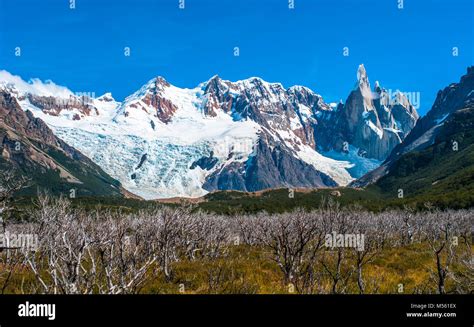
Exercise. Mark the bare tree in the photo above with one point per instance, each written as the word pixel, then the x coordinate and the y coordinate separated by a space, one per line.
pixel 439 233
pixel 373 228
pixel 294 240
pixel 334 259
pixel 464 276
pixel 125 254
pixel 81 254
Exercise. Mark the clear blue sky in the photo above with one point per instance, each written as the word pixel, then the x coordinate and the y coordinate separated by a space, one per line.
pixel 408 49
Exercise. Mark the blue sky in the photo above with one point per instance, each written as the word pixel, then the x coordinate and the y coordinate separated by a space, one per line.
pixel 408 49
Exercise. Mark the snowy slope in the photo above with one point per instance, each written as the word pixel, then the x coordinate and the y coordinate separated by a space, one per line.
pixel 150 140
pixel 118 143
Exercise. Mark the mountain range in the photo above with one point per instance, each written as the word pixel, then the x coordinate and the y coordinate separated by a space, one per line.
pixel 163 141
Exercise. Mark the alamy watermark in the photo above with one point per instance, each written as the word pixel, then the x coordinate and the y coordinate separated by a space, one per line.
pixel 229 145
pixel 78 99
pixel 335 240
pixel 394 97
pixel 28 242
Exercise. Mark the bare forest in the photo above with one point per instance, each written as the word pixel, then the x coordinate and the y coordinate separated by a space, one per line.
pixel 178 250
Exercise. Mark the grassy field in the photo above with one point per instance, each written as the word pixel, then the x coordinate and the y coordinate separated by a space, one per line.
pixel 249 270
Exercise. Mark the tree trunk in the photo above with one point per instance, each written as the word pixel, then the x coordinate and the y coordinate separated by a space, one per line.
pixel 441 275
pixel 360 281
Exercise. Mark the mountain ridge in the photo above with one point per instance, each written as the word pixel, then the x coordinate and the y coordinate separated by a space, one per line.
pixel 260 135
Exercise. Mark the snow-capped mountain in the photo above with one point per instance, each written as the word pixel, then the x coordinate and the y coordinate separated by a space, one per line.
pixel 452 99
pixel 164 141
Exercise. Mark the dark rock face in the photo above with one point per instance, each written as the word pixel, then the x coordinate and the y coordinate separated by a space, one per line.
pixel 272 166
pixel 206 163
pixel 142 161
pixel 452 99
pixel 231 177
pixel 28 146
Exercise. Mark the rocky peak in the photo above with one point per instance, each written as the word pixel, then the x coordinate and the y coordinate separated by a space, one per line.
pixel 213 84
pixel 256 89
pixel 107 97
pixel 151 99
pixel 359 105
pixel 469 75
pixel 371 121
pixel 362 77
pixel 455 95
pixel 377 87
pixel 401 99
pixel 451 100
pixel 217 97
pixel 155 85
pixel 48 97
pixel 9 88
pixel 56 106
pixel 161 83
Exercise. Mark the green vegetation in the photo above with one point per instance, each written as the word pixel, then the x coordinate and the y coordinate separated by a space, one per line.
pixel 248 270
pixel 442 174
pixel 284 200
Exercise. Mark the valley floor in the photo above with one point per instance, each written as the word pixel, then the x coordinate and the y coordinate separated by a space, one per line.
pixel 177 250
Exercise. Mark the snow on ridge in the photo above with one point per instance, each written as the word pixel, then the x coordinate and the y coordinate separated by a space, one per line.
pixel 34 86
pixel 253 79
pixel 374 128
pixel 360 165
pixel 336 169
pixel 305 112
pixel 441 119
pixel 249 83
